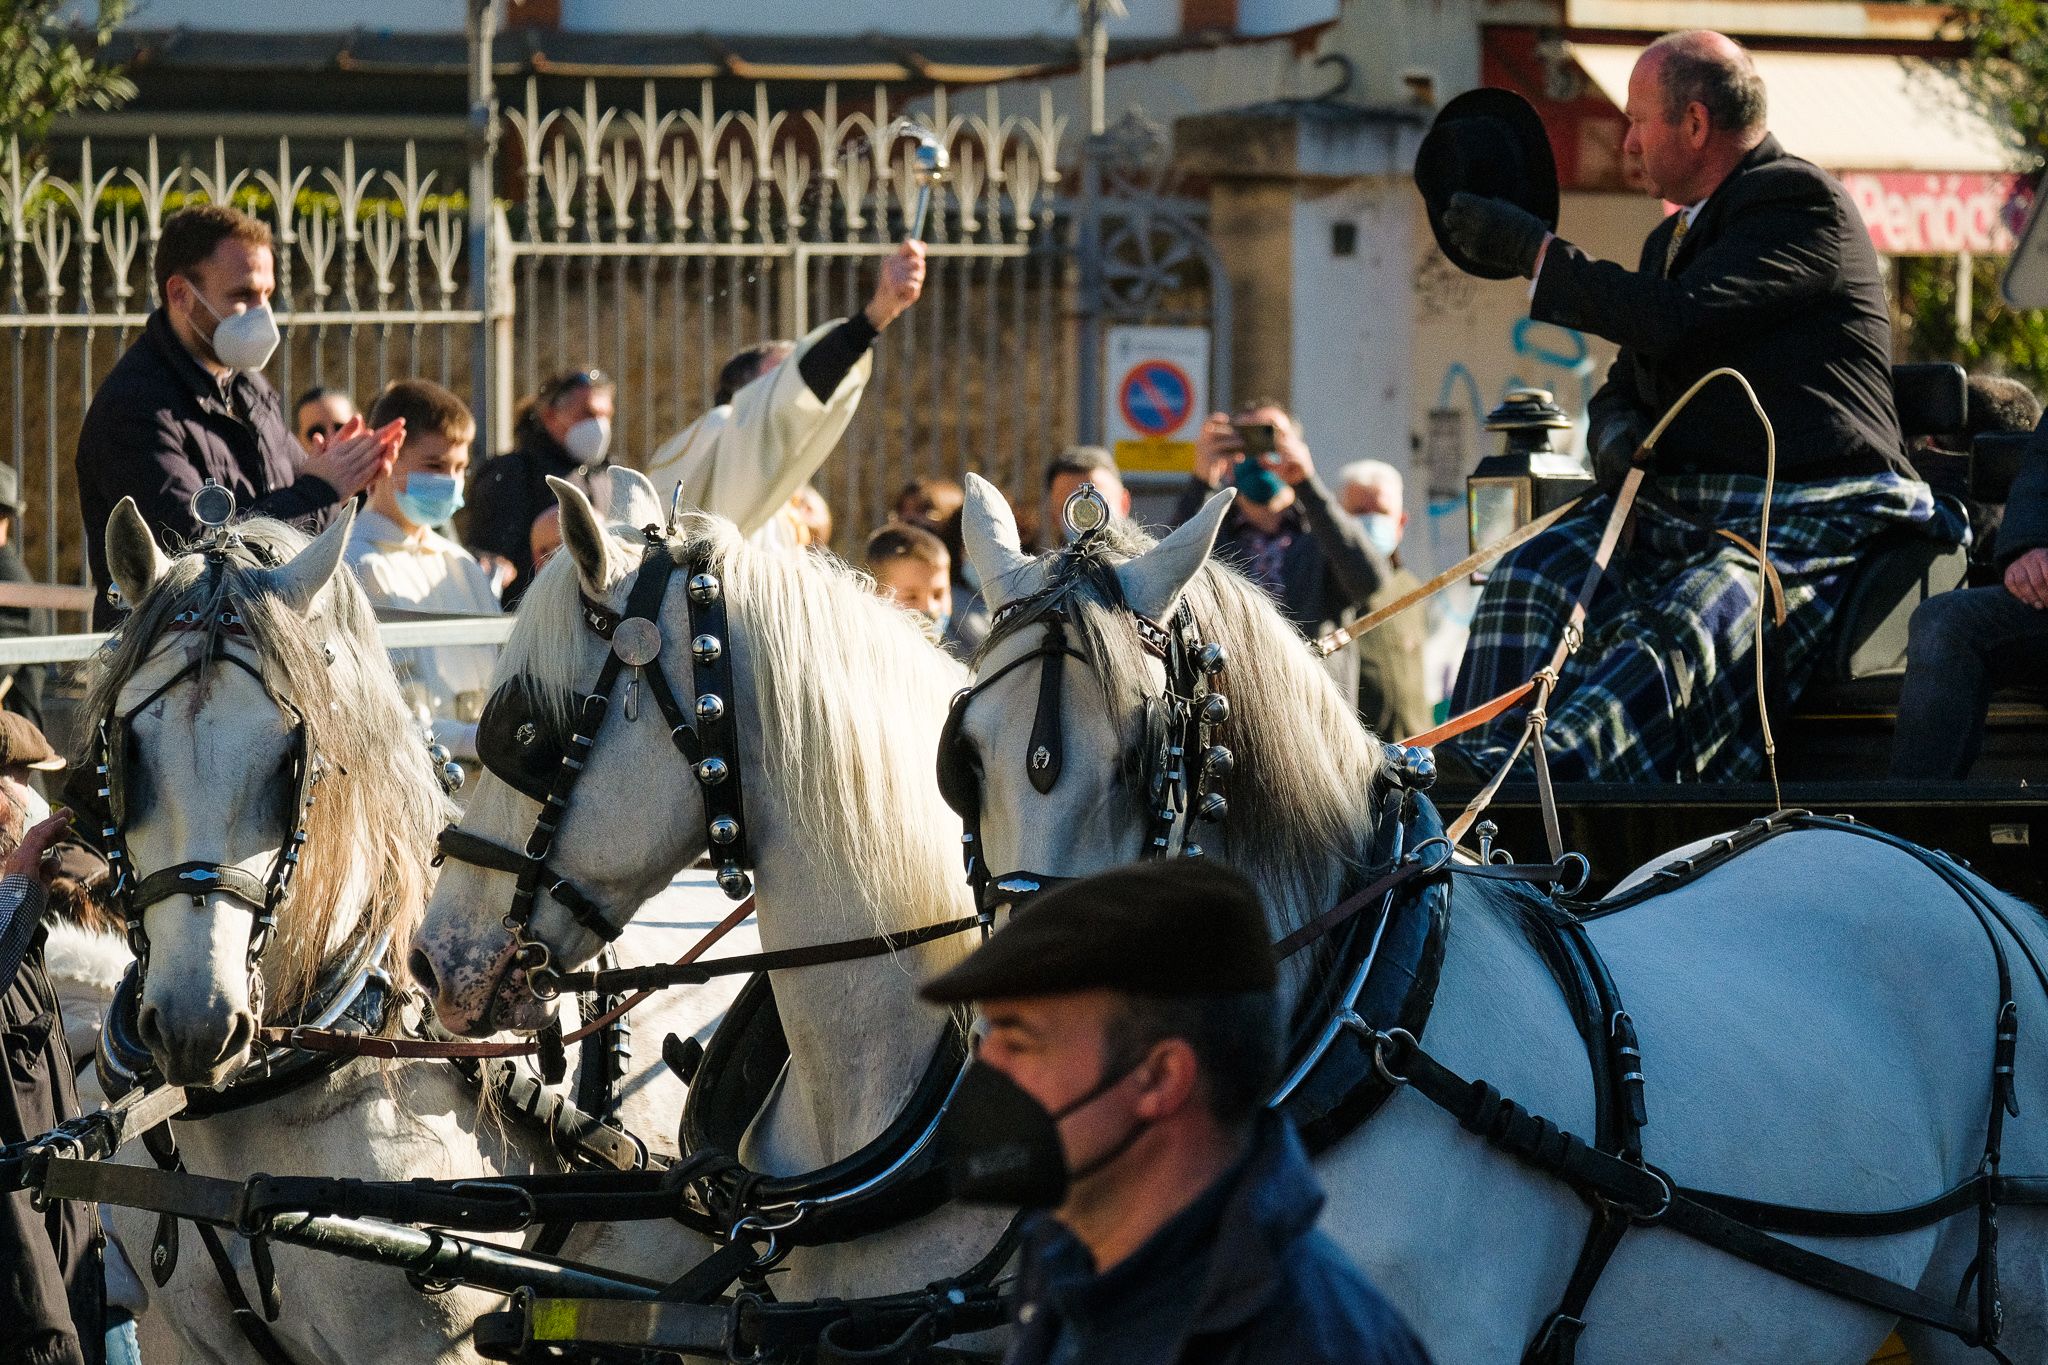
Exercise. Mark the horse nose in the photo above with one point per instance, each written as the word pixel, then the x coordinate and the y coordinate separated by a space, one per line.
pixel 198 1055
pixel 422 968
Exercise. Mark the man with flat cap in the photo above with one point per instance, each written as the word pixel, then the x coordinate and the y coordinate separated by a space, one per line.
pixel 1767 268
pixel 1130 1038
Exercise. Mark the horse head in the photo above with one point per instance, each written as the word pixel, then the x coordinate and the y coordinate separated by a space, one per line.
pixel 264 811
pixel 1136 700
pixel 792 762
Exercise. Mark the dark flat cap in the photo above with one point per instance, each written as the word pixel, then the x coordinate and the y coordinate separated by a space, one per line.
pixel 1179 927
pixel 22 745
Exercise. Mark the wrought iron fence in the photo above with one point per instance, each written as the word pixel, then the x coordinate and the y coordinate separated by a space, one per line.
pixel 654 244
pixel 651 242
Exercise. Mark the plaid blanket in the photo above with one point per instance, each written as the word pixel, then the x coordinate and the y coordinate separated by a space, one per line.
pixel 1664 686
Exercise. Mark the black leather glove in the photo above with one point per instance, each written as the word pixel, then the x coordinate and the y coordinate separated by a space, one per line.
pixel 1495 233
pixel 1613 444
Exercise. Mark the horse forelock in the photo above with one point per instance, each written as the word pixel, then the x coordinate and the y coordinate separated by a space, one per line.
pixel 1301 809
pixel 370 833
pixel 847 693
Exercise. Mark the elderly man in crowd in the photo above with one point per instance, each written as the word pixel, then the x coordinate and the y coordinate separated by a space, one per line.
pixel 1130 1036
pixel 1767 268
pixel 779 411
pixel 1391 696
pixel 188 403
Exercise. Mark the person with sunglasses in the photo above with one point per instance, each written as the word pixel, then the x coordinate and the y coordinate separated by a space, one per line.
pixel 319 414
pixel 564 430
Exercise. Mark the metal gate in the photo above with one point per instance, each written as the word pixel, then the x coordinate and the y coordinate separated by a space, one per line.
pixel 650 242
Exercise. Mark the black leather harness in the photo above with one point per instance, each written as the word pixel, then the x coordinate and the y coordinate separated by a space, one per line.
pixel 517 745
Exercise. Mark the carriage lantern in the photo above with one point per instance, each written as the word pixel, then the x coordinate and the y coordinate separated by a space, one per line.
pixel 1529 477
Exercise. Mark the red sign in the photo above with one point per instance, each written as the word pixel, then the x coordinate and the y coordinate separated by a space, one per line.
pixel 1914 214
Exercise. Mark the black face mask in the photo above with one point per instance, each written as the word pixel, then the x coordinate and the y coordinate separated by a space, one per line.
pixel 1002 1147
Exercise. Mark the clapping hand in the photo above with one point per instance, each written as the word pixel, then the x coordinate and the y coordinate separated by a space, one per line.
pixel 355 457
pixel 901 283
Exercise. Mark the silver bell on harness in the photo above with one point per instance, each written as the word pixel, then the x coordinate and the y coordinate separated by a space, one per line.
pixel 1529 478
pixel 1085 512
pixel 734 882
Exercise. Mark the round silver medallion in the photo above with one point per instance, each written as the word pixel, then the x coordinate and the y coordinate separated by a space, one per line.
pixel 637 641
pixel 213 506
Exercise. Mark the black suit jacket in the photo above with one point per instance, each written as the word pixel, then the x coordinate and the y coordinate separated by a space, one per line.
pixel 1777 278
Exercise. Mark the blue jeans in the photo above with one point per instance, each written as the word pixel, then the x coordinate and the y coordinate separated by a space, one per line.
pixel 1963 646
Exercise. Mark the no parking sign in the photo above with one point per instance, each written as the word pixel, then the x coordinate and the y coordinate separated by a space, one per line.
pixel 1157 396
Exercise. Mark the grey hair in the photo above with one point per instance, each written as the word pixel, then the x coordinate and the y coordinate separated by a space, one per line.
pixel 1705 68
pixel 1373 474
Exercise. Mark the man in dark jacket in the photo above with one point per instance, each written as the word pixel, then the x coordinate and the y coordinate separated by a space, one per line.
pixel 1768 269
pixel 188 402
pixel 1286 531
pixel 565 432
pixel 1966 644
pixel 1131 1039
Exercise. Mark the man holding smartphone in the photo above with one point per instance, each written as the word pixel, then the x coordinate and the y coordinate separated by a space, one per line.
pixel 1286 531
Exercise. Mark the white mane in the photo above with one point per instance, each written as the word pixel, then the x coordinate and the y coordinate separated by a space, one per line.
pixel 842 686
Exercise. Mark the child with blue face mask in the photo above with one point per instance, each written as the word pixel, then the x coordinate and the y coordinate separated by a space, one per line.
pixel 408 562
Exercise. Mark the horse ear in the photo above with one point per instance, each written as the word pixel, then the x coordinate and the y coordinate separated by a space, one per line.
pixel 300 582
pixel 132 556
pixel 583 535
pixel 988 530
pixel 1154 581
pixel 633 499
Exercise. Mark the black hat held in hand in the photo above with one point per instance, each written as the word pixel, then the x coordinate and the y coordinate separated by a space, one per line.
pixel 1490 143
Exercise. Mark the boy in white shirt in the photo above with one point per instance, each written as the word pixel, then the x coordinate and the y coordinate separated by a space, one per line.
pixel 406 565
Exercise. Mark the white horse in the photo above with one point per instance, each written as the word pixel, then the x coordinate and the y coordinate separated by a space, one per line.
pixel 1816 1017
pixel 839 698
pixel 207 778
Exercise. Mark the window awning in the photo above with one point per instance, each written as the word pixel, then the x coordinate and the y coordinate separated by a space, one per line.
pixel 1853 111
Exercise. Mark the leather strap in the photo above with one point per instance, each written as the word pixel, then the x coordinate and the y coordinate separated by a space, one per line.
pixel 662 974
pixel 324 1040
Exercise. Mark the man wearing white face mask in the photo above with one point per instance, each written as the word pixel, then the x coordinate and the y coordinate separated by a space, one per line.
pixel 1391 696
pixel 564 431
pixel 188 402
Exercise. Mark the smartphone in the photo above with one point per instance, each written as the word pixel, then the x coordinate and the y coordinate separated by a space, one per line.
pixel 1256 437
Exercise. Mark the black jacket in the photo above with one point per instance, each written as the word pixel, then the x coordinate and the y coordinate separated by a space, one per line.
pixel 161 425
pixel 510 491
pixel 1239 1277
pixel 1777 278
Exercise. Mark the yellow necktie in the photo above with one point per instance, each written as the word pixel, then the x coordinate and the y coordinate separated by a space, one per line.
pixel 1677 236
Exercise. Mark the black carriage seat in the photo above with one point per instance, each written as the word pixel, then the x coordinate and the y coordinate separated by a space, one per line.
pixel 1846 713
pixel 1902 568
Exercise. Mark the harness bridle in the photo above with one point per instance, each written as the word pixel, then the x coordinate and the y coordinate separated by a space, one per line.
pixel 1180 726
pixel 514 746
pixel 131 891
